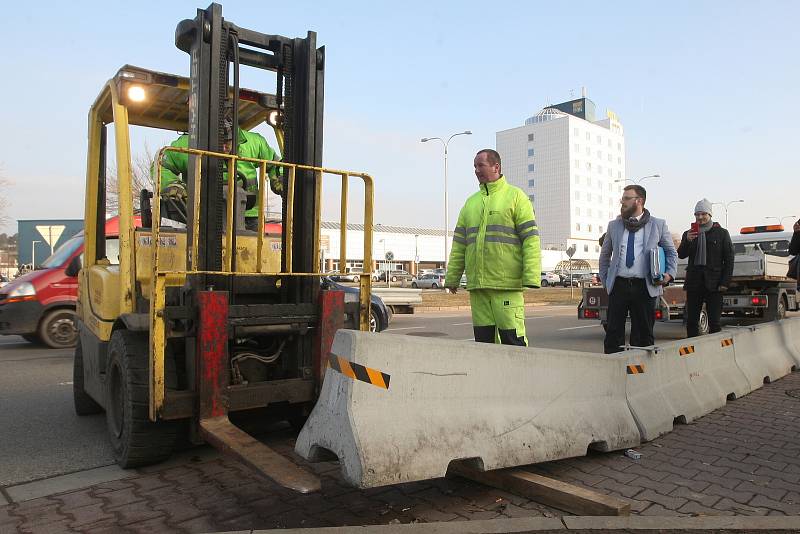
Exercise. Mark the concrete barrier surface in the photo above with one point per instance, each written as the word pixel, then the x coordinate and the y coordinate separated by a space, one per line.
pixel 762 353
pixel 399 408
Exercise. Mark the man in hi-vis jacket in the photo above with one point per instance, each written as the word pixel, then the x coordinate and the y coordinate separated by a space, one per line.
pixel 496 241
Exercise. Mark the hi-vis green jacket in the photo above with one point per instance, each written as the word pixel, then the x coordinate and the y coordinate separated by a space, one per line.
pixel 497 240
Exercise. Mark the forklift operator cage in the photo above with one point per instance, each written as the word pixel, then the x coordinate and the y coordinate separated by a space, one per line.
pixel 146 98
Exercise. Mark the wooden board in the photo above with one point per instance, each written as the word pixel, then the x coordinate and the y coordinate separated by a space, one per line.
pixel 544 490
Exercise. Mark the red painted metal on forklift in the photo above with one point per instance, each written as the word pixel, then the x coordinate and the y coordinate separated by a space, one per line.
pixel 212 340
pixel 331 319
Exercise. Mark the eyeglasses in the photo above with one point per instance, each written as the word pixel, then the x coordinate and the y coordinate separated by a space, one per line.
pixel 623 199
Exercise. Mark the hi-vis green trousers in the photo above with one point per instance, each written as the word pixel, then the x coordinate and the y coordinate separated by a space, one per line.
pixel 498 316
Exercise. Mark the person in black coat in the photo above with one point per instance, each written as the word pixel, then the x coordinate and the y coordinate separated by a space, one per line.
pixel 710 268
pixel 794 250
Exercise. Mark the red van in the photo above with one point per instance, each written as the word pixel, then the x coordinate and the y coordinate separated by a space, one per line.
pixel 40 305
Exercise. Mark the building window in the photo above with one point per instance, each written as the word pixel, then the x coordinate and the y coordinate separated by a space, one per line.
pixel 577 148
pixel 601 228
pixel 531 197
pixel 530 137
pixel 589 180
pixel 531 167
pixel 600 169
pixel 578 227
pixel 619 174
pixel 588 166
pixel 599 140
pixel 577 195
pixel 577 179
pixel 610 172
pixel 577 164
pixel 597 248
pixel 619 146
pixel 576 132
pixel 588 136
pixel 609 157
pixel 586 248
pixel 609 143
pixel 590 227
pixel 589 197
pixel 600 154
pixel 619 160
pixel 530 182
pixel 577 210
pixel 588 151
pixel 589 212
pixel 530 152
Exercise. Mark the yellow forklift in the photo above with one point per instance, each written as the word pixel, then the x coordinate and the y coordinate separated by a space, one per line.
pixel 184 319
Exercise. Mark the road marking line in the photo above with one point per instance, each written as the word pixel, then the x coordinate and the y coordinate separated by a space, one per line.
pixel 467 339
pixel 403 328
pixel 540 317
pixel 577 327
pixel 460 324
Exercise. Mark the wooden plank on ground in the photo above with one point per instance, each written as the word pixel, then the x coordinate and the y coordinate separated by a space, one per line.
pixel 544 490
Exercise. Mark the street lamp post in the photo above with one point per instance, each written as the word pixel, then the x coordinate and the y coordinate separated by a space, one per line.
pixel 638 180
pixel 726 205
pixel 446 215
pixel 33 255
pixel 780 219
pixel 416 254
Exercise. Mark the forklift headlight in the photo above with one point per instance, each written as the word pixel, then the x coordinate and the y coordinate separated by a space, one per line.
pixel 273 117
pixel 136 93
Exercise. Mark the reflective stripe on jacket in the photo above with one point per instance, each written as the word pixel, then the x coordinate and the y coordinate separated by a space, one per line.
pixel 496 240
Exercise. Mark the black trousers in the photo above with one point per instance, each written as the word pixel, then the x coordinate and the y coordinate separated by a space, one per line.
pixel 629 295
pixel 695 297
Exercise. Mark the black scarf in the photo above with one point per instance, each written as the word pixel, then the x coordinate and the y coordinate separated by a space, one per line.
pixel 632 225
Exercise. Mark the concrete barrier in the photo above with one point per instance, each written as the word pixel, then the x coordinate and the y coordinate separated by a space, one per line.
pixel 399 408
pixel 682 381
pixel 762 353
pixel 790 329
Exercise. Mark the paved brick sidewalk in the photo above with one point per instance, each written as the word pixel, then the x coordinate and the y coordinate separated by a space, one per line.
pixel 743 459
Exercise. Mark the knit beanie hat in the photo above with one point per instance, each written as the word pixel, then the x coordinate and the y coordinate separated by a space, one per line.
pixel 703 206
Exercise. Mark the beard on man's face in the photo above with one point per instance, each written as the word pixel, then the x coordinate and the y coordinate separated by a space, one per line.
pixel 627 212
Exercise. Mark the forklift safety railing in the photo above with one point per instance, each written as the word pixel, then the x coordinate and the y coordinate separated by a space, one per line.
pixel 162 279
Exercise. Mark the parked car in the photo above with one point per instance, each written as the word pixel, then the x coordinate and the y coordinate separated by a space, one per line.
pixel 429 281
pixel 379 314
pixel 550 279
pixel 395 276
pixel 3 280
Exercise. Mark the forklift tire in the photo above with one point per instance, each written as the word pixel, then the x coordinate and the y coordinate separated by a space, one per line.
pixel 84 404
pixel 136 441
pixel 702 324
pixel 57 329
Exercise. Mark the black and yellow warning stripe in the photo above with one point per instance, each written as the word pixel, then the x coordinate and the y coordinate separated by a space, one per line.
pixel 359 372
pixel 635 369
pixel 686 350
pixel 727 342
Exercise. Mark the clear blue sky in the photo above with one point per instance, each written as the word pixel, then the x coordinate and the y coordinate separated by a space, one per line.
pixel 706 91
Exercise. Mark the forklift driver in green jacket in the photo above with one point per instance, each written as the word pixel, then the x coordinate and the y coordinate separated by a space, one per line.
pixel 496 241
pixel 251 145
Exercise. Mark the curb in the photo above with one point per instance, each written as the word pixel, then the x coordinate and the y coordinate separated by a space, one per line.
pixel 566 523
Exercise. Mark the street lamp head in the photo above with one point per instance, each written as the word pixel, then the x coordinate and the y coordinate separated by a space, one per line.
pixel 424 139
pixel 467 132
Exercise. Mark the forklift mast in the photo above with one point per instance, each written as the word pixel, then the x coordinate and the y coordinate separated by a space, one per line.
pixel 216 51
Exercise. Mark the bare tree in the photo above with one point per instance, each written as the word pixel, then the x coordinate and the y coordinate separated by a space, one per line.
pixel 140 179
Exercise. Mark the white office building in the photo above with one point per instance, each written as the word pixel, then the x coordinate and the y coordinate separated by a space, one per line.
pixel 572 167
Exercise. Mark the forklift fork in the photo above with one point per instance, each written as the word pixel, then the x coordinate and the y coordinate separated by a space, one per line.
pixel 215 426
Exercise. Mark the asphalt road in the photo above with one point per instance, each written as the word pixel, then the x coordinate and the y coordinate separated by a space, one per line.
pixel 40 435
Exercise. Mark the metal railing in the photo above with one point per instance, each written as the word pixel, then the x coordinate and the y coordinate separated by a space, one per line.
pixel 162 279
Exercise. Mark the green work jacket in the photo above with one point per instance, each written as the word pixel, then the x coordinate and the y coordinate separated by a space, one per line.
pixel 251 145
pixel 496 240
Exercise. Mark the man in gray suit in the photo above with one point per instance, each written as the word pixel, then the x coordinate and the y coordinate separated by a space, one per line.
pixel 625 269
